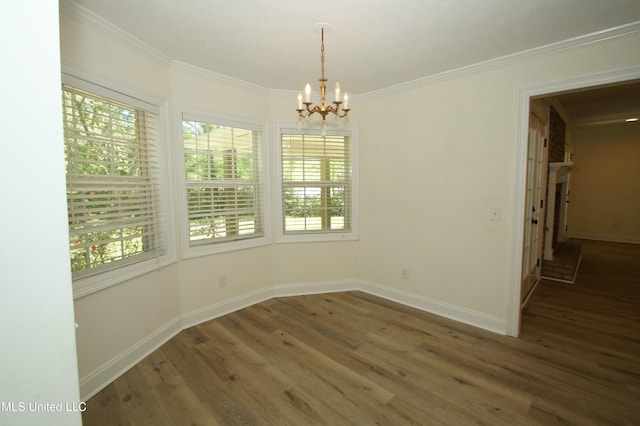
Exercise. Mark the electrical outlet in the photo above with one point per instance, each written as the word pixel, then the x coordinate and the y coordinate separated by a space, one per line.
pixel 404 273
pixel 222 280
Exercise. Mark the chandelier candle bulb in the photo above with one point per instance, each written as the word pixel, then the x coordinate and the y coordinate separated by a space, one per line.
pixel 307 92
pixel 346 100
pixel 337 92
pixel 300 101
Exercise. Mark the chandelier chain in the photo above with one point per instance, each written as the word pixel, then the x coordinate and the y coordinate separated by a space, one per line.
pixel 322 53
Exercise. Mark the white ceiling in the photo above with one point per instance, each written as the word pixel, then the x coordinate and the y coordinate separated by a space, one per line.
pixel 371 44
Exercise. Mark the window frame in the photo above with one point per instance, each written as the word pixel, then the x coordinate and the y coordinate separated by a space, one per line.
pixel 188 250
pixel 128 270
pixel 315 235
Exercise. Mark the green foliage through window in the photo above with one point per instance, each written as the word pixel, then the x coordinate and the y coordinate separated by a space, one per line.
pixel 223 179
pixel 110 188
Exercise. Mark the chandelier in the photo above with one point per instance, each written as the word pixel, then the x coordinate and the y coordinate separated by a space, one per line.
pixel 304 113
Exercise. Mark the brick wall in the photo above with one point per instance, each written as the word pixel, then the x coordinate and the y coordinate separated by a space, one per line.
pixel 557 129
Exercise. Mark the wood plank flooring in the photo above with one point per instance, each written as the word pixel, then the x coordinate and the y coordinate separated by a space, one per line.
pixel 353 358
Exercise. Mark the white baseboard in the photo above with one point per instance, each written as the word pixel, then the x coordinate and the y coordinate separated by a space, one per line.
pixel 110 371
pixel 107 373
pixel 315 288
pixel 207 313
pixel 454 312
pixel 103 376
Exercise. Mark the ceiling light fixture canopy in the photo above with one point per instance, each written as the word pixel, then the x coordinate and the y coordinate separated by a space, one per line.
pixel 304 113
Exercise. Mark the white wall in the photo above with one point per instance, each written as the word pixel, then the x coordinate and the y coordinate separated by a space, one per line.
pixel 434 159
pixel 38 353
pixel 605 184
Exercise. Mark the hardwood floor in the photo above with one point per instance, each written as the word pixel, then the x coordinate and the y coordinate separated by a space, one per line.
pixel 353 358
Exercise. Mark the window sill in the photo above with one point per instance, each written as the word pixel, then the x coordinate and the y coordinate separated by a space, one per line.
pixel 318 237
pixel 85 286
pixel 189 252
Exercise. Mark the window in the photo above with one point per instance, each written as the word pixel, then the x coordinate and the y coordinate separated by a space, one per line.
pixel 316 183
pixel 224 182
pixel 113 200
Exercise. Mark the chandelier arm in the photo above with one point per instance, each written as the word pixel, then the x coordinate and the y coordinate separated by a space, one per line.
pixel 337 109
pixel 328 109
pixel 345 111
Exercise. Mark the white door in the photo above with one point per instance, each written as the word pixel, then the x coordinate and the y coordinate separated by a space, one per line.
pixel 534 206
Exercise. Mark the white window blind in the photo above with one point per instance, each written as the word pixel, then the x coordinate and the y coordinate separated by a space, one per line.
pixel 223 181
pixel 316 183
pixel 111 163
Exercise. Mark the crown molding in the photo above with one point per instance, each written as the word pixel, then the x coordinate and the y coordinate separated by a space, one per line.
pixel 211 75
pixel 572 43
pixel 94 77
pixel 74 11
pixel 82 15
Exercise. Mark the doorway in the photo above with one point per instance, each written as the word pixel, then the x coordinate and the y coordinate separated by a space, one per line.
pixel 525 96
